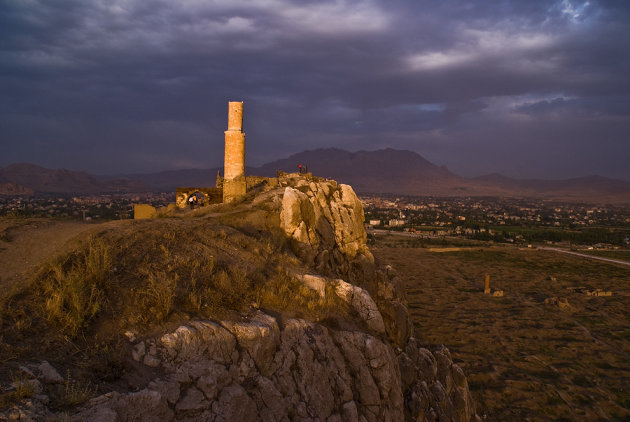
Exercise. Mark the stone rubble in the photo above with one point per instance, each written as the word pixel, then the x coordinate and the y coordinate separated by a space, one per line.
pixel 48 374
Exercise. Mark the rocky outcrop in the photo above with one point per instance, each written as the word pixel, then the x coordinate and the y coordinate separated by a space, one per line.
pixel 359 300
pixel 269 369
pixel 257 370
pixel 325 224
pixel 392 303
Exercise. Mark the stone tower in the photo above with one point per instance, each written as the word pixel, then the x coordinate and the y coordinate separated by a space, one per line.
pixel 234 185
pixel 486 285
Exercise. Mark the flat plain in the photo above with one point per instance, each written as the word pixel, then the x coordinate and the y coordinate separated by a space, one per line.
pixel 525 359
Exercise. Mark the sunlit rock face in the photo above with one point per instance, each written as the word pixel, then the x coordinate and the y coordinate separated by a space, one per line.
pixel 325 224
pixel 325 218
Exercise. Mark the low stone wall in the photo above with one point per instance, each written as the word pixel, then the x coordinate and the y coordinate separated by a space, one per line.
pixel 210 195
pixel 143 211
pixel 254 181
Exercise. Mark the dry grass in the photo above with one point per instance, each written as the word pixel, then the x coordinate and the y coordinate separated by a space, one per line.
pixel 23 389
pixel 74 287
pixel 137 275
pixel 156 297
pixel 524 360
pixel 149 276
pixel 73 393
pixel 286 294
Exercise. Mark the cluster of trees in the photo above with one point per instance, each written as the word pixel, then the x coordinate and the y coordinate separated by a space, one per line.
pixel 588 236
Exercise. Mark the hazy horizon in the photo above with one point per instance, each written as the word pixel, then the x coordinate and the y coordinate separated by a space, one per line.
pixel 119 174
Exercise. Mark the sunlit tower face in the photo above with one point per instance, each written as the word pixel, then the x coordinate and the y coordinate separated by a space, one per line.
pixel 234 185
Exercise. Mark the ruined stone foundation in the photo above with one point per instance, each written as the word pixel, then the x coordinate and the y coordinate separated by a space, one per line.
pixel 234 185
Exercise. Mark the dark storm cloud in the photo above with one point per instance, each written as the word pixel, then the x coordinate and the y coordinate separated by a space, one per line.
pixel 130 85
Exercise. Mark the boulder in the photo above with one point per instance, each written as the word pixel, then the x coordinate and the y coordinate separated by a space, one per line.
pixel 361 301
pixel 193 399
pixel 143 406
pixel 314 282
pixel 234 405
pixel 198 339
pixel 259 337
pixel 48 374
pixel 322 218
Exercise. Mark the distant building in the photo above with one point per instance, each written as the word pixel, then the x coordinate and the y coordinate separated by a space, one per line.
pixel 396 222
pixel 375 222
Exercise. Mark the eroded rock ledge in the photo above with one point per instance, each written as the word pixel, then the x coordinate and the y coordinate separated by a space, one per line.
pixel 257 370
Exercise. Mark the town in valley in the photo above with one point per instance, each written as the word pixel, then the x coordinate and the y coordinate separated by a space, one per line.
pixel 524 221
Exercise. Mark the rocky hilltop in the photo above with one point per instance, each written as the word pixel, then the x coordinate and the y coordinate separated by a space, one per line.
pixel 357 361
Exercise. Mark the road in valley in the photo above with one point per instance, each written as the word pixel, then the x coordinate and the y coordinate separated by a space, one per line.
pixel 599 258
pixel 546 248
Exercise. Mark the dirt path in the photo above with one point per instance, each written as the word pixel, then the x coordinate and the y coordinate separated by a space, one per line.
pixel 26 244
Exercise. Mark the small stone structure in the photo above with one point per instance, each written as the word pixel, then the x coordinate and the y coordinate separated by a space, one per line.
pixel 210 195
pixel 598 292
pixel 589 292
pixel 146 211
pixel 562 303
pixel 143 211
pixel 488 291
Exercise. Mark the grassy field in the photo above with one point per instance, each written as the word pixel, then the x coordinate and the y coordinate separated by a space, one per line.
pixel 623 255
pixel 525 360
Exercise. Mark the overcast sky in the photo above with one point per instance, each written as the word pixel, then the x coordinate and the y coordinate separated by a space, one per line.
pixel 526 88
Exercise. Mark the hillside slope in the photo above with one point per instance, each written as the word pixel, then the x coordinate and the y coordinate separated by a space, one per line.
pixel 585 188
pixel 269 309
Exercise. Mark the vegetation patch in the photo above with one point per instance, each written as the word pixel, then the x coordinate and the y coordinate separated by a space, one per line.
pixel 513 343
pixel 74 287
pixel 286 294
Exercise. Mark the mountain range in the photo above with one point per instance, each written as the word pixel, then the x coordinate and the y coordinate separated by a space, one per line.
pixel 23 178
pixel 384 171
